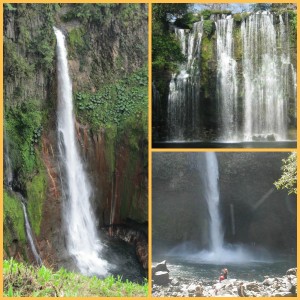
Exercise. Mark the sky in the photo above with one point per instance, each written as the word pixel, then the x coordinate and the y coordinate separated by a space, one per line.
pixel 235 8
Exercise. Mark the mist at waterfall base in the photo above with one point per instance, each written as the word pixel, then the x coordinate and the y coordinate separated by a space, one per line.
pixel 247 262
pixel 91 253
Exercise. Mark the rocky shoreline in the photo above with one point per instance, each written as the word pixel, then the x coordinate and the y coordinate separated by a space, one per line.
pixel 164 286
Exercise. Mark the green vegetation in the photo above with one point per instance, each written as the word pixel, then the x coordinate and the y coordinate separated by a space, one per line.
pixel 208 27
pixel 114 104
pixel 36 193
pixel 28 281
pixel 166 51
pixel 288 179
pixel 23 125
pixel 14 223
pixel 30 51
pixel 187 20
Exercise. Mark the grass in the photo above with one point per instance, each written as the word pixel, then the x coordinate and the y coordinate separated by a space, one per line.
pixel 28 281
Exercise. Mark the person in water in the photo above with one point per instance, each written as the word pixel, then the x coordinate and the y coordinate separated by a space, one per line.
pixel 223 275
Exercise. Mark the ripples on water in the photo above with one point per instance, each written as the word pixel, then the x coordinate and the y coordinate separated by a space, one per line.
pixel 209 273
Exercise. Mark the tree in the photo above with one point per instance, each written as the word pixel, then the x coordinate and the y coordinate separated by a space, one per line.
pixel 166 12
pixel 261 6
pixel 288 179
pixel 166 50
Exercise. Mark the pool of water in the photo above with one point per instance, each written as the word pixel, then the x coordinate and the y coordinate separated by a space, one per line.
pixel 209 273
pixel 198 144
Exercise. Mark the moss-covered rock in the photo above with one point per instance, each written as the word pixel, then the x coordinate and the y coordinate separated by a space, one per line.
pixel 14 223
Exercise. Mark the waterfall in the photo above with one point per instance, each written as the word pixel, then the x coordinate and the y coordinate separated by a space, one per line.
pixel 30 236
pixel 264 71
pixel 218 252
pixel 83 242
pixel 184 88
pixel 227 87
pixel 210 179
pixel 255 87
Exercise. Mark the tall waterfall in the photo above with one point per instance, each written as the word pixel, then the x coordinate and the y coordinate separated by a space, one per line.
pixel 83 242
pixel 227 79
pixel 266 65
pixel 184 89
pixel 30 236
pixel 210 179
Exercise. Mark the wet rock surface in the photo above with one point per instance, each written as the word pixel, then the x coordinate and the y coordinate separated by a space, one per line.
pixel 285 286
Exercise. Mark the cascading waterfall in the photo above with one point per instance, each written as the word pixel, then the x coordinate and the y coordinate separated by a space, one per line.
pixel 184 89
pixel 227 79
pixel 265 69
pixel 83 242
pixel 256 82
pixel 210 178
pixel 30 236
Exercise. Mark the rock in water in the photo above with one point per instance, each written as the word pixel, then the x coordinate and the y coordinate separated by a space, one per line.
pixel 292 271
pixel 161 278
pixel 162 266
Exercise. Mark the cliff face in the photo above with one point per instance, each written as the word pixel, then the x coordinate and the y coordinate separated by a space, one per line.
pixel 246 180
pixel 106 43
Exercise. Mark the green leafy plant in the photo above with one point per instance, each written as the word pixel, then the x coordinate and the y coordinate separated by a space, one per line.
pixel 208 27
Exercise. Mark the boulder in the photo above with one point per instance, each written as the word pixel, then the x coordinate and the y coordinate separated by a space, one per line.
pixel 175 282
pixel 162 266
pixel 252 286
pixel 199 291
pixel 292 271
pixel 268 281
pixel 161 278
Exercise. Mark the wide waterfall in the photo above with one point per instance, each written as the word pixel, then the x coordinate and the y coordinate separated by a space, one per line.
pixel 227 80
pixel 184 95
pixel 30 236
pixel 248 91
pixel 83 242
pixel 266 67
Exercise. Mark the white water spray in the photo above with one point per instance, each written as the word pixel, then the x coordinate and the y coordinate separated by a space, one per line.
pixel 184 88
pixel 30 236
pixel 210 179
pixel 266 65
pixel 83 242
pixel 227 79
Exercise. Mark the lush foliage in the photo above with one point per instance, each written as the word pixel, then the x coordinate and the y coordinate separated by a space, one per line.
pixel 40 44
pixel 187 20
pixel 13 219
pixel 23 126
pixel 102 13
pixel 166 12
pixel 166 51
pixel 208 27
pixel 115 103
pixel 28 281
pixel 288 179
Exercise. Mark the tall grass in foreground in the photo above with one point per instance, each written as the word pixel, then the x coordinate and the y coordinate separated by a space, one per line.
pixel 26 280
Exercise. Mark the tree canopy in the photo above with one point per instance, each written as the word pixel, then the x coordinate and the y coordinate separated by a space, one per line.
pixel 288 179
